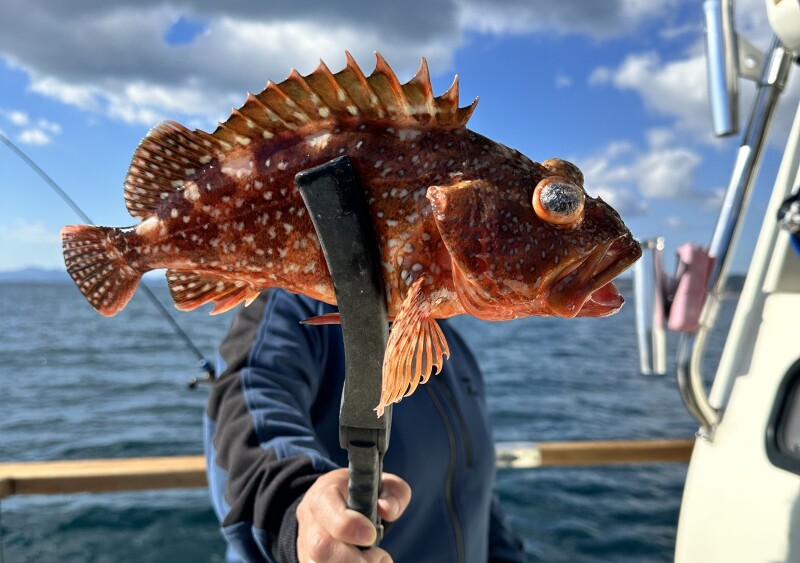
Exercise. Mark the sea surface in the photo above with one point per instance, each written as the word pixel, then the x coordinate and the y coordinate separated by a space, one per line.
pixel 76 385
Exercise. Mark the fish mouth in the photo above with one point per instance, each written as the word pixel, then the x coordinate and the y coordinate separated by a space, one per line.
pixel 584 287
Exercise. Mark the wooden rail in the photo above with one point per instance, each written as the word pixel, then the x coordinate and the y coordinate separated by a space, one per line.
pixel 110 475
pixel 558 454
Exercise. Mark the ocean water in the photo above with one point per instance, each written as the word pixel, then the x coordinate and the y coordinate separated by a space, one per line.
pixel 76 385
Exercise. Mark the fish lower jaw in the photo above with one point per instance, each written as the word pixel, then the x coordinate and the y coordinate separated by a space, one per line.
pixel 600 302
pixel 574 295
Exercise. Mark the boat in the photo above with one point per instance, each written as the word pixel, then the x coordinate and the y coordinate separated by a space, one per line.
pixel 741 499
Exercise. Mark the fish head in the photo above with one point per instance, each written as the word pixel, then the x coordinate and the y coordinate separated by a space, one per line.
pixel 545 248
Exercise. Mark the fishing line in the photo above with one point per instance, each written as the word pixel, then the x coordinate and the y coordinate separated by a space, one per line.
pixel 205 365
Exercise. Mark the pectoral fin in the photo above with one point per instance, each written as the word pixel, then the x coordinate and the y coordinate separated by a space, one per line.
pixel 416 345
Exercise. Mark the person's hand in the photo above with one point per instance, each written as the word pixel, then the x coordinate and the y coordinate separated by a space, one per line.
pixel 328 531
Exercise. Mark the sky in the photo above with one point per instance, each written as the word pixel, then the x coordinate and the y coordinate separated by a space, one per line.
pixel 616 86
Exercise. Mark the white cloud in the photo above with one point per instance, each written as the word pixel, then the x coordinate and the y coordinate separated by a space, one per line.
pixel 34 137
pixel 599 18
pixel 673 222
pixel 677 88
pixel 49 126
pixel 22 231
pixel 30 131
pixel 18 117
pixel 113 58
pixel 666 173
pixel 563 81
pixel 660 137
pixel 628 176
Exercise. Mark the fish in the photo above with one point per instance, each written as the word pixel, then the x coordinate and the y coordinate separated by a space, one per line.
pixel 465 225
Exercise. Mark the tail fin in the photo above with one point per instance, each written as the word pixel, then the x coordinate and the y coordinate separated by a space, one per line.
pixel 98 267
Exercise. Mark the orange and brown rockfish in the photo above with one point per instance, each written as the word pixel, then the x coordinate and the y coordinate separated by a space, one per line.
pixel 465 224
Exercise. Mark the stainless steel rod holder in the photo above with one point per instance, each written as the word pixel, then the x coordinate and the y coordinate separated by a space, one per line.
pixel 722 56
pixel 690 353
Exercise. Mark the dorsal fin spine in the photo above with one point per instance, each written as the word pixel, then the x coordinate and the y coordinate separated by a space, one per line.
pixel 389 90
pixel 324 84
pixel 304 95
pixel 419 93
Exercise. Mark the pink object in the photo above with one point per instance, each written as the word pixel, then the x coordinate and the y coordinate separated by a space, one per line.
pixel 694 267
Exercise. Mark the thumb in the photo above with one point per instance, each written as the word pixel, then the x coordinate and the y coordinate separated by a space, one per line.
pixel 394 497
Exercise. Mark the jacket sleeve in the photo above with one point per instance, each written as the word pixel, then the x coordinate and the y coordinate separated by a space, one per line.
pixel 261 448
pixel 504 545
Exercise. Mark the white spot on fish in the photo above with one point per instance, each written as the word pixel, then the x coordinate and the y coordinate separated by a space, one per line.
pixel 173 213
pixel 288 227
pixel 324 112
pixel 283 165
pixel 408 134
pixel 192 193
pixel 378 164
pixel 238 167
pixel 318 141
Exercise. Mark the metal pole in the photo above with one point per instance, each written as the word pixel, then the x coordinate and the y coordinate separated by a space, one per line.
pixel 690 353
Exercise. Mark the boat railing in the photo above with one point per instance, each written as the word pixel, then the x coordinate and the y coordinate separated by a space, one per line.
pixel 137 474
pixel 725 50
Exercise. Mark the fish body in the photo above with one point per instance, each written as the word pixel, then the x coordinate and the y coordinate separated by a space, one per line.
pixel 465 224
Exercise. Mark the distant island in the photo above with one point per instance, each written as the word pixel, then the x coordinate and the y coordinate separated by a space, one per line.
pixel 58 275
pixel 35 275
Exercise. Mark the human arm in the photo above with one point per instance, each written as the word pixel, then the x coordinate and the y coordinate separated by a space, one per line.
pixel 265 454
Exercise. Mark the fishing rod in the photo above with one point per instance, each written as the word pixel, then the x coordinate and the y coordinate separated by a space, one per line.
pixel 205 365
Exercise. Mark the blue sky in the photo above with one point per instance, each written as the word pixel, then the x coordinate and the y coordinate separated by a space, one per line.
pixel 616 86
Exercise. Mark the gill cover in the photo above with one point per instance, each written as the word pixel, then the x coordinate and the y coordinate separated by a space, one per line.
pixel 482 227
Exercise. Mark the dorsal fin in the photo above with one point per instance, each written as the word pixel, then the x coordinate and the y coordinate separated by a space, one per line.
pixel 170 154
pixel 300 104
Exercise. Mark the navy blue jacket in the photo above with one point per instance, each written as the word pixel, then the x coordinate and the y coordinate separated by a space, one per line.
pixel 272 428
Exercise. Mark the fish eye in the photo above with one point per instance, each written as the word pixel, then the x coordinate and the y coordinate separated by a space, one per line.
pixel 558 201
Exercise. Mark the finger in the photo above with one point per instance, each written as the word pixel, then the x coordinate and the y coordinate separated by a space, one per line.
pixel 320 547
pixel 394 498
pixel 329 509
